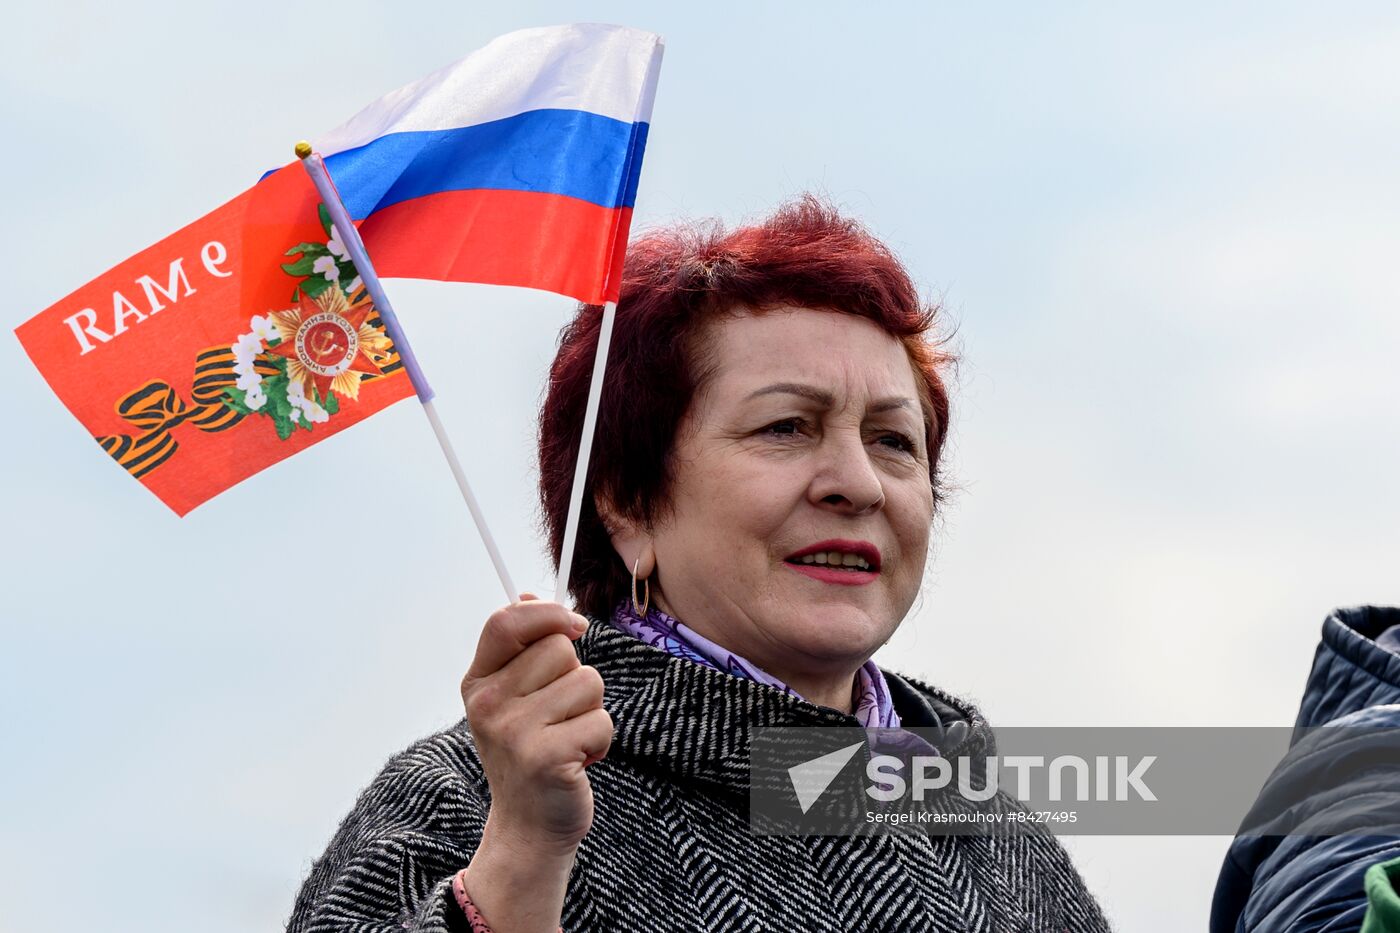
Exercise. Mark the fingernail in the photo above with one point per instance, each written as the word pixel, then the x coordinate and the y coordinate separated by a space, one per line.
pixel 580 624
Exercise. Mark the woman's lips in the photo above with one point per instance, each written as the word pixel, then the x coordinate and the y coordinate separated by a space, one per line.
pixel 839 577
pixel 842 546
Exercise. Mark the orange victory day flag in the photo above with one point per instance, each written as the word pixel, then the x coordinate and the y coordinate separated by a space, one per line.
pixel 234 343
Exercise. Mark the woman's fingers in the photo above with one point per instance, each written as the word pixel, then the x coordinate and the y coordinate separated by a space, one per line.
pixel 590 732
pixel 510 630
pixel 536 716
pixel 575 693
pixel 540 664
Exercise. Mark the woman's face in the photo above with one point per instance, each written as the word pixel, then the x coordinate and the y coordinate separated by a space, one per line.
pixel 804 451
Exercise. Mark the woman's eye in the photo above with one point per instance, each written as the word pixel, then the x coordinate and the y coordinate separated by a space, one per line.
pixel 786 428
pixel 897 442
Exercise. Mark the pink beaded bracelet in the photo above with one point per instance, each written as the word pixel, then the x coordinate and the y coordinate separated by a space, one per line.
pixel 474 917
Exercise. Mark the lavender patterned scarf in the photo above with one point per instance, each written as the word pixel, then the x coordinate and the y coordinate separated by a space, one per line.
pixel 872 704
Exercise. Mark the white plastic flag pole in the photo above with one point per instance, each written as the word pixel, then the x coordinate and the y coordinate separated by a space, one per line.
pixel 590 418
pixel 600 365
pixel 600 361
pixel 350 236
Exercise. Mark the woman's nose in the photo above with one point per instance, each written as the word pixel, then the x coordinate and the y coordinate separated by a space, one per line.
pixel 845 477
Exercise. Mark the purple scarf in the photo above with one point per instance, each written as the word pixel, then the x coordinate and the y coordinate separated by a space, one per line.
pixel 872 704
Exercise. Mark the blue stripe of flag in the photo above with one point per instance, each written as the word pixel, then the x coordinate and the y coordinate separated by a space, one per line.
pixel 568 152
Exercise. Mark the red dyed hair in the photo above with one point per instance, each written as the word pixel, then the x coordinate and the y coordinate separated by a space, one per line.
pixel 675 281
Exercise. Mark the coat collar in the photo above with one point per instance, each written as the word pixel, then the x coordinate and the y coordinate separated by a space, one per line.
pixel 692 722
pixel 1350 671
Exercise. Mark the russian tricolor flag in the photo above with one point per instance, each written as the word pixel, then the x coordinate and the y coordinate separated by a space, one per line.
pixel 517 165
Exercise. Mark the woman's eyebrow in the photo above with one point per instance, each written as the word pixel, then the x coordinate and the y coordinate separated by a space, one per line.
pixel 822 397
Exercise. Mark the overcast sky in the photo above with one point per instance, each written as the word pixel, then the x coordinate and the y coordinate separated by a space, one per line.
pixel 1166 238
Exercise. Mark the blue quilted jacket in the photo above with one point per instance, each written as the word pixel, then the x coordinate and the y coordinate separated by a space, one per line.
pixel 1313 884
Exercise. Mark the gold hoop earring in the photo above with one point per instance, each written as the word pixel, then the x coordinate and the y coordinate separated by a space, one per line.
pixel 646 587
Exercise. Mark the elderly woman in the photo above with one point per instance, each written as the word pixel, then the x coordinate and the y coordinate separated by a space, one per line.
pixel 763 484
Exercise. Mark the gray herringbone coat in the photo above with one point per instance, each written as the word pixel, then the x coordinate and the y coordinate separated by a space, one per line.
pixel 670 847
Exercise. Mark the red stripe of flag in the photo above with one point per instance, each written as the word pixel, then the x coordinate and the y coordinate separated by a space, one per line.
pixel 495 237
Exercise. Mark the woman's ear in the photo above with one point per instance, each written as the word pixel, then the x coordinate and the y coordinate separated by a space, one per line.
pixel 631 541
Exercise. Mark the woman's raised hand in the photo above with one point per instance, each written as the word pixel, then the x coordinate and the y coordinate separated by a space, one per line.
pixel 537 717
